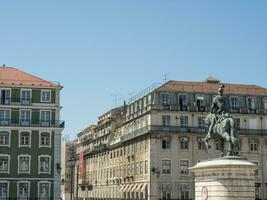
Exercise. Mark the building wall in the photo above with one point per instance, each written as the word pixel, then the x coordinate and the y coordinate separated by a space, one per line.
pixel 35 127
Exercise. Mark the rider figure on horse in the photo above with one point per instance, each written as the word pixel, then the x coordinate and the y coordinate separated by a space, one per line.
pixel 218 109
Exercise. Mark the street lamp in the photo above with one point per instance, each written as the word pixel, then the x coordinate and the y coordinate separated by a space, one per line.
pixel 72 162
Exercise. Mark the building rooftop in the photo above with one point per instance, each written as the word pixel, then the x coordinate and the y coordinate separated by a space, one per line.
pixel 13 76
pixel 211 85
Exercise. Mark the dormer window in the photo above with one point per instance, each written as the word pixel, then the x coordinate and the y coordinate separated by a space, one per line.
pixel 234 104
pixel 182 100
pixel 165 99
pixel 251 105
pixel 200 104
pixel 265 105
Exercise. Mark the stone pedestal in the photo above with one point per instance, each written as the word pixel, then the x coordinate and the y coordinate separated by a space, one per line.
pixel 226 178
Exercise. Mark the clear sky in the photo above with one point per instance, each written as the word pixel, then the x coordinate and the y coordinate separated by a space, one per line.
pixel 98 49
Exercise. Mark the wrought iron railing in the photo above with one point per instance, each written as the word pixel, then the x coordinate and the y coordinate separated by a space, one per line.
pixel 33 123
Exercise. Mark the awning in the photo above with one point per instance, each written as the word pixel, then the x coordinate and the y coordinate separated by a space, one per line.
pixel 144 188
pixel 125 188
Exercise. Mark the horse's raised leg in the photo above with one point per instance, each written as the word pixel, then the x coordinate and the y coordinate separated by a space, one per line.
pixel 206 139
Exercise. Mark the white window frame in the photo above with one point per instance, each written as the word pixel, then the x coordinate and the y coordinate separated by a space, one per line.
pixel 49 164
pixel 184 118
pixel 24 155
pixel 29 189
pixel 21 115
pixel 165 122
pixel 188 190
pixel 10 92
pixel 8 169
pixel 264 102
pixel 42 92
pixel 21 100
pixel 254 98
pixel 40 118
pixel 165 101
pixel 9 120
pixel 254 141
pixel 184 139
pixel 231 105
pixel 30 138
pixel 169 169
pixel 49 186
pixel 40 139
pixel 9 138
pixel 7 182
pixel 188 174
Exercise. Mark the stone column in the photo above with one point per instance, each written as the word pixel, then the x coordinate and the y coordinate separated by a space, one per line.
pixel 226 178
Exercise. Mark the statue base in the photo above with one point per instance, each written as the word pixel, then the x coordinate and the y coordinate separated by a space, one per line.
pixel 225 178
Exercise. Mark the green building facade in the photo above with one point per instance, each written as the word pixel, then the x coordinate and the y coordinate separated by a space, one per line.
pixel 30 136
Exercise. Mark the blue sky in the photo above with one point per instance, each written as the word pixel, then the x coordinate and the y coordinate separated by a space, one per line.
pixel 98 49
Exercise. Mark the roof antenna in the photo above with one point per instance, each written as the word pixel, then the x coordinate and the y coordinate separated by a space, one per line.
pixel 165 77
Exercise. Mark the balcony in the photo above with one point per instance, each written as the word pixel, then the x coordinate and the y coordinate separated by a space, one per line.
pixel 37 123
pixel 19 101
pixel 15 101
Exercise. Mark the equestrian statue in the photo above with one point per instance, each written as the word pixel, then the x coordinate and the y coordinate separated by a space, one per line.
pixel 221 125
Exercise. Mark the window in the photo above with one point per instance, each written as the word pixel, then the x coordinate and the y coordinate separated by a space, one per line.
pixel 184 164
pixel 253 145
pixel 5 96
pixel 43 190
pixel 182 100
pixel 234 104
pixel 146 167
pixel 23 190
pixel 4 163
pixel 201 122
pixel 46 96
pixel 166 120
pixel 201 144
pixel 265 104
pixel 45 118
pixel 24 162
pixel 237 123
pixel 45 140
pixel 24 139
pixel 4 138
pixel 44 164
pixel 251 105
pixel 165 99
pixel 137 168
pixel 4 117
pixel 200 104
pixel 184 121
pixel 166 167
pixel 166 191
pixel 25 117
pixel 166 143
pixel 4 190
pixel 184 143
pixel 25 97
pixel 184 191
pixel 141 168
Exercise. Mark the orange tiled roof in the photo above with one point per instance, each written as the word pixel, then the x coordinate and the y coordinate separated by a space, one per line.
pixel 212 87
pixel 13 76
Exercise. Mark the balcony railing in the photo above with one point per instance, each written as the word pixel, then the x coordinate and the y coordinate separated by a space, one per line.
pixel 179 129
pixel 33 123
pixel 17 101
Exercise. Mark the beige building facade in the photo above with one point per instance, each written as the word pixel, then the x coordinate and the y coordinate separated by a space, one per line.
pixel 143 150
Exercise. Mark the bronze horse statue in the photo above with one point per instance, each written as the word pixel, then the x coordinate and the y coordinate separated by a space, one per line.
pixel 224 129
